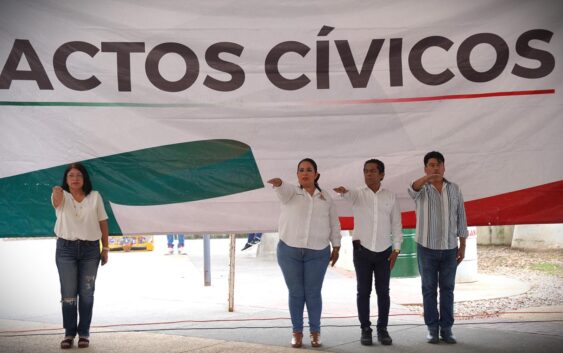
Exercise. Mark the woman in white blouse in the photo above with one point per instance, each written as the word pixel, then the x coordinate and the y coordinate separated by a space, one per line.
pixel 81 223
pixel 308 225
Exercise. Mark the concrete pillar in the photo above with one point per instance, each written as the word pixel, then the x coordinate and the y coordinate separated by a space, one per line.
pixel 206 260
pixel 346 258
pixel 467 269
pixel 538 236
pixel 495 235
pixel 268 245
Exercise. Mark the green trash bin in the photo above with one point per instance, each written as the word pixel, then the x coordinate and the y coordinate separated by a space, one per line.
pixel 406 264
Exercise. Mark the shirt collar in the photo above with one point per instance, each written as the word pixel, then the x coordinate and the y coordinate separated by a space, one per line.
pixel 446 182
pixel 366 188
pixel 301 191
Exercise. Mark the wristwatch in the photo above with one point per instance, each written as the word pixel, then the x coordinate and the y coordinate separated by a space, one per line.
pixel 397 250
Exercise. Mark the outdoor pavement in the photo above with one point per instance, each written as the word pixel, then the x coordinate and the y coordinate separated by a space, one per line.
pixel 151 302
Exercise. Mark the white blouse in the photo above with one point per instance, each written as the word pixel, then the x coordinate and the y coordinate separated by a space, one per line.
pixel 307 221
pixel 80 220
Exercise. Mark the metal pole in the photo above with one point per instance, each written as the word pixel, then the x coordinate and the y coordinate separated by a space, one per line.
pixel 232 273
pixel 206 260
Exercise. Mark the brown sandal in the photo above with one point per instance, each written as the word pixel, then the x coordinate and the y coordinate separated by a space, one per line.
pixel 83 342
pixel 297 339
pixel 315 339
pixel 67 343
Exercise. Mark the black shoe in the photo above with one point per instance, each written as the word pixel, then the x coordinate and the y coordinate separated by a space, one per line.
pixel 383 337
pixel 432 336
pixel 246 246
pixel 366 339
pixel 448 337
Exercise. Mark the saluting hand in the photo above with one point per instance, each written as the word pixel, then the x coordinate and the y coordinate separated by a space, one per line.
pixel 57 196
pixel 275 182
pixel 57 190
pixel 433 177
pixel 340 190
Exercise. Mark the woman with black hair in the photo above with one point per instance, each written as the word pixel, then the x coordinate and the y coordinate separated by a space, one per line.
pixel 308 225
pixel 81 223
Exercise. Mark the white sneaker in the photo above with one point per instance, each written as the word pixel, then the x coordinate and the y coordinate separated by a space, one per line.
pixel 180 251
pixel 170 251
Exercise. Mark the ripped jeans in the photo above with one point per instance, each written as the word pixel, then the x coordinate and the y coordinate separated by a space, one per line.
pixel 77 262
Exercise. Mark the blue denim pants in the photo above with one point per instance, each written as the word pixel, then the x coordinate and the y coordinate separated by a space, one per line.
pixel 254 238
pixel 170 240
pixel 437 271
pixel 77 262
pixel 304 271
pixel 370 265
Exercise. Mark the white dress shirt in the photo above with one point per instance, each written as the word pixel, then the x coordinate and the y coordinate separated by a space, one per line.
pixel 307 221
pixel 377 217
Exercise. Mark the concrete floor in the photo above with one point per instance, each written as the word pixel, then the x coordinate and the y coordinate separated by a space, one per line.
pixel 149 302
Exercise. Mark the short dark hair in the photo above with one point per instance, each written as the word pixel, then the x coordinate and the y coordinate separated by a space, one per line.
pixel 434 154
pixel 87 186
pixel 380 165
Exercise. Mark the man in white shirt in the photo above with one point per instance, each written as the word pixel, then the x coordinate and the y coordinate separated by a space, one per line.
pixel 377 242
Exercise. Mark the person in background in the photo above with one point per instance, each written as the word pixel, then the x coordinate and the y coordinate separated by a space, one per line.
pixel 308 225
pixel 377 243
pixel 253 239
pixel 170 239
pixel 81 224
pixel 440 223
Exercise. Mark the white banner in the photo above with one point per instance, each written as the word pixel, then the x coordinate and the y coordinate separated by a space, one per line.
pixel 263 84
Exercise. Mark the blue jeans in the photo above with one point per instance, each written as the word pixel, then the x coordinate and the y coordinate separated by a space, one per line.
pixel 170 238
pixel 304 271
pixel 367 265
pixel 77 262
pixel 254 237
pixel 437 270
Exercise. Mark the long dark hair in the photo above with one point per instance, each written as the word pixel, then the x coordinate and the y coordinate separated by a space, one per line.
pixel 87 186
pixel 314 164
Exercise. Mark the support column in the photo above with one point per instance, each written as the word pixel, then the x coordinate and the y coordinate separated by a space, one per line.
pixel 206 260
pixel 232 252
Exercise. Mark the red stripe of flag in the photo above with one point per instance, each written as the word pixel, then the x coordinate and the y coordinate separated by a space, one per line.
pixel 436 98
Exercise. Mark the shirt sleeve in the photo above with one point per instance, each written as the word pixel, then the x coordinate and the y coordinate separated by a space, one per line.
pixel 284 192
pixel 415 195
pixel 335 235
pixel 100 209
pixel 351 195
pixel 461 218
pixel 396 225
